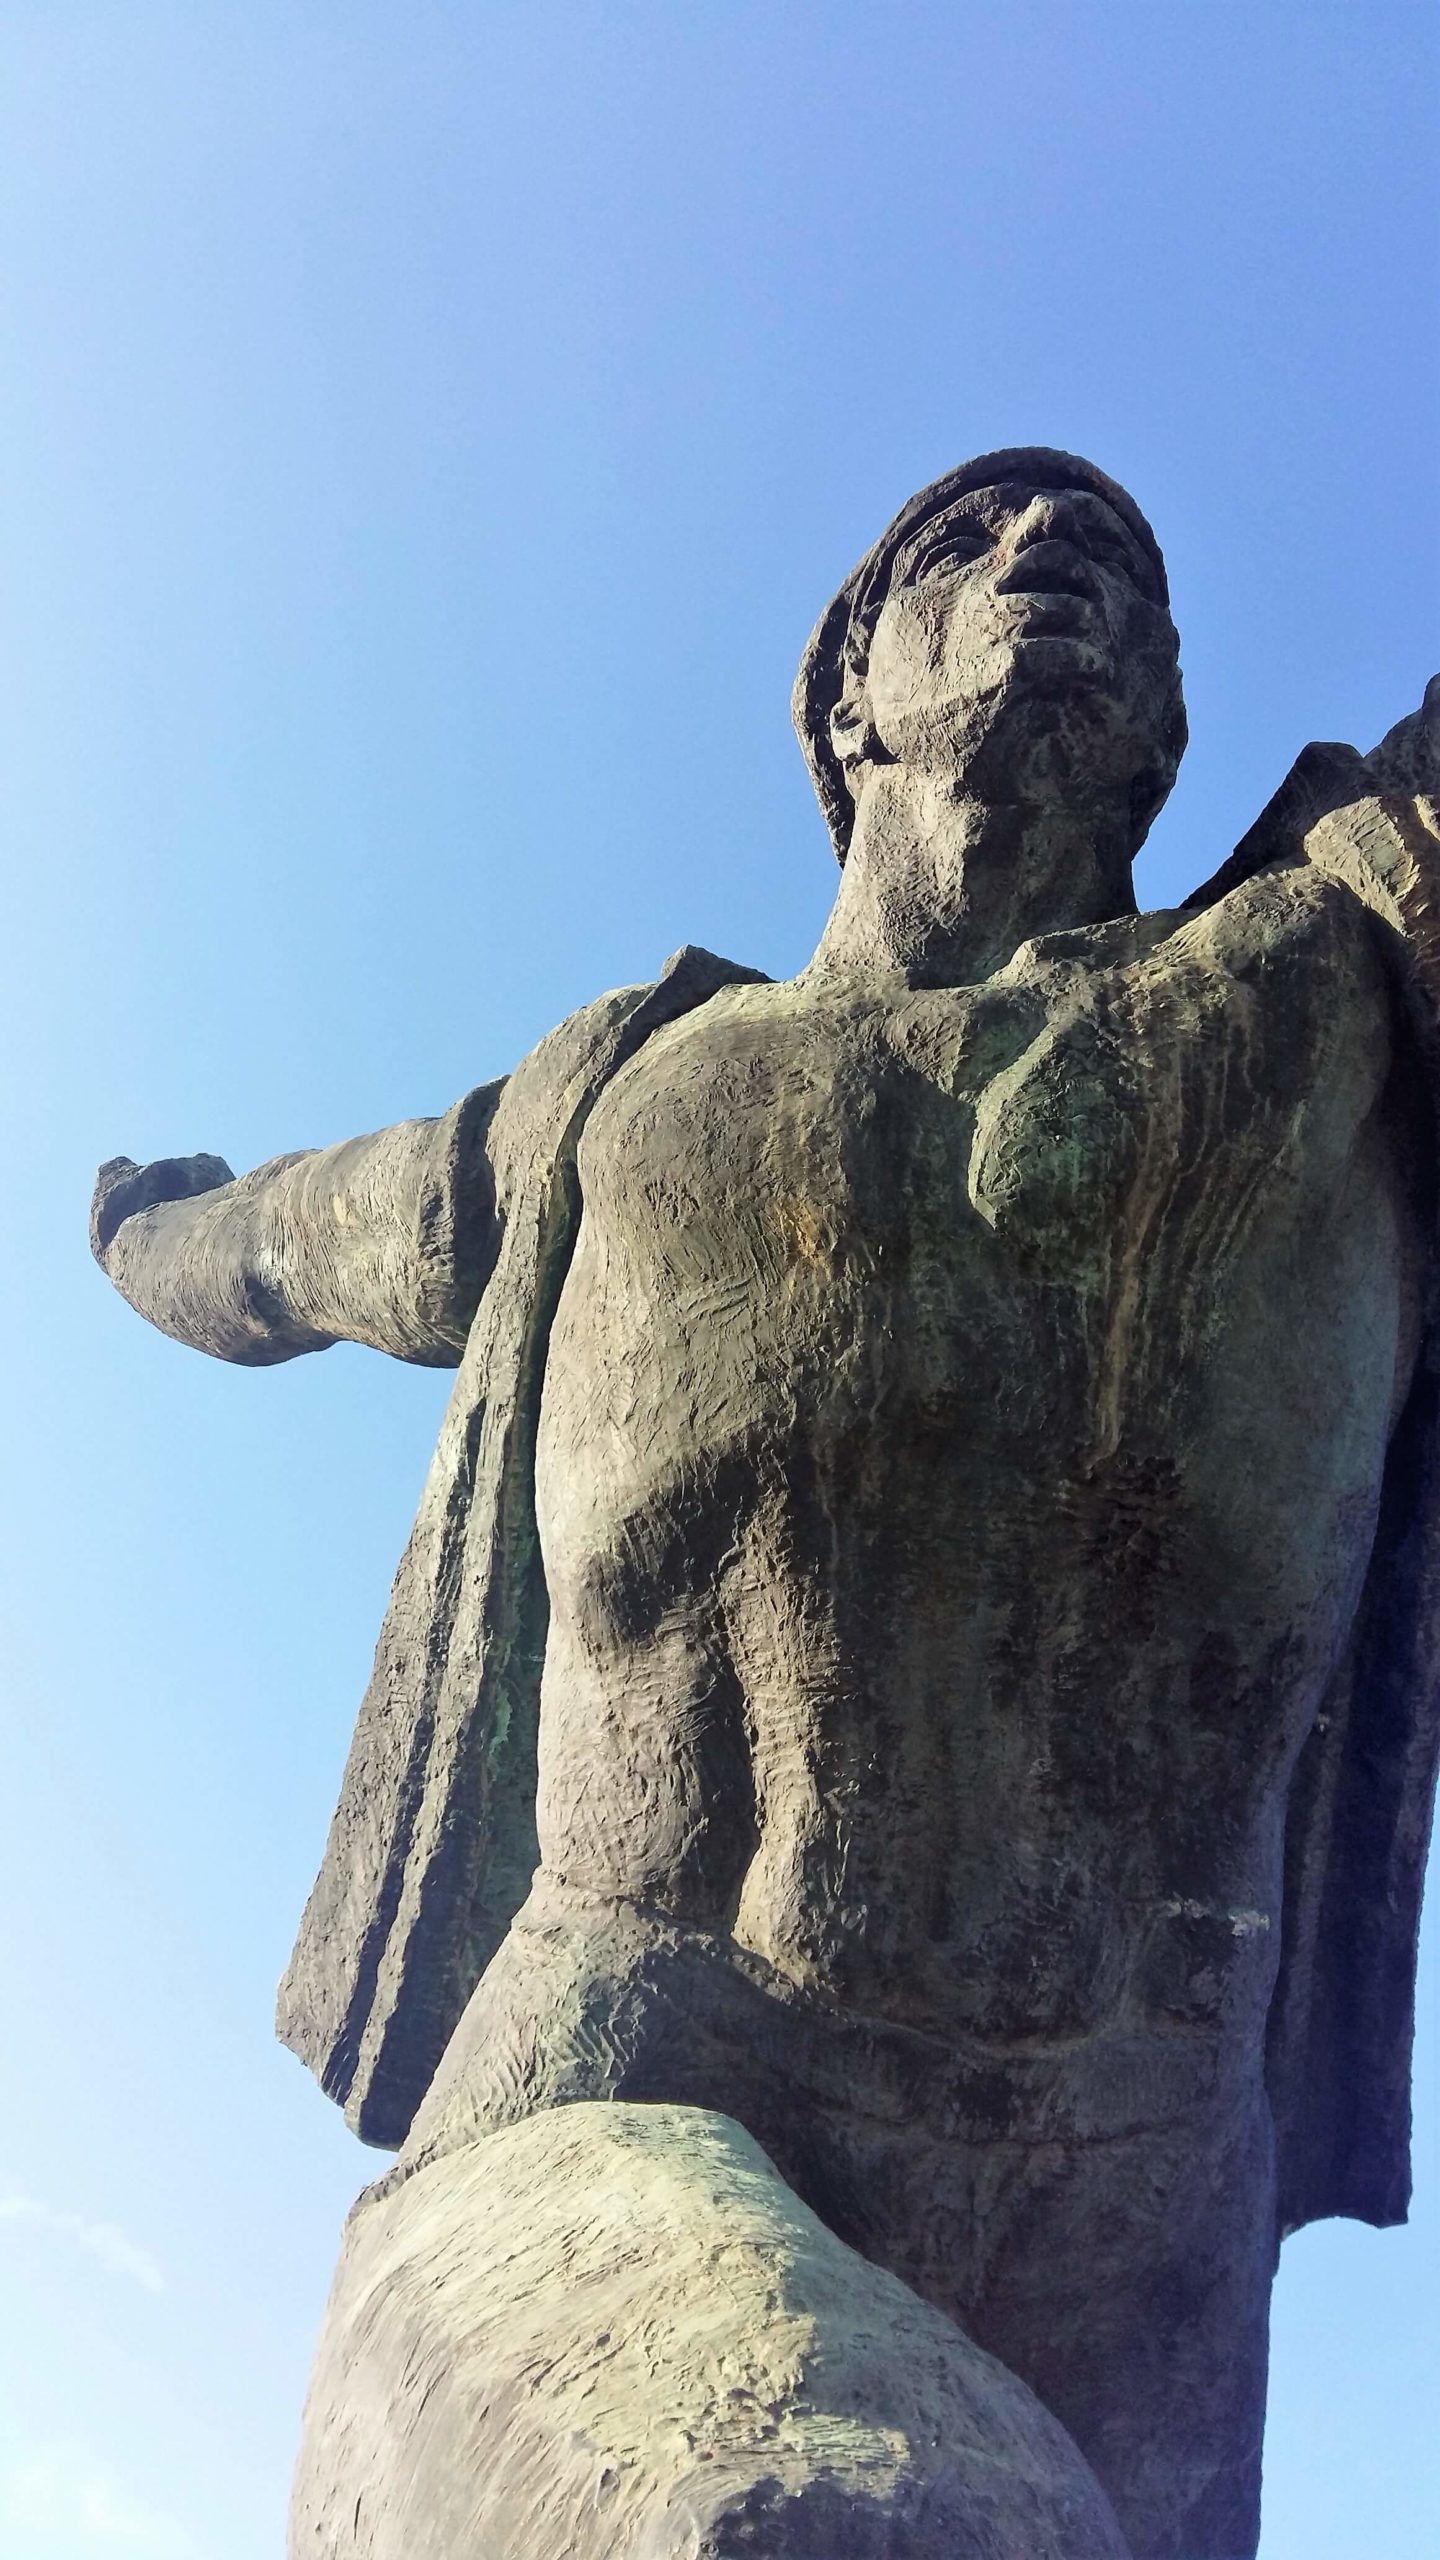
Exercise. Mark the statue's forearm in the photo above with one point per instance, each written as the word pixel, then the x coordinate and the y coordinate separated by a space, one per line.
pixel 385 1240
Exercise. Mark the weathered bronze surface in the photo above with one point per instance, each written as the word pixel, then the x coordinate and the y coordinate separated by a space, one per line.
pixel 919 1642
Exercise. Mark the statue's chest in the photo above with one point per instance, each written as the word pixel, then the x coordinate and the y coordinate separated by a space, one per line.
pixel 974 1199
pixel 787 1164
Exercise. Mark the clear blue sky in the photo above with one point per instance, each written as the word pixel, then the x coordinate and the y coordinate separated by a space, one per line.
pixel 428 432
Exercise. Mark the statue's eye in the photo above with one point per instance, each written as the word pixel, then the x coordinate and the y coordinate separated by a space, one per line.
pixel 952 550
pixel 1113 551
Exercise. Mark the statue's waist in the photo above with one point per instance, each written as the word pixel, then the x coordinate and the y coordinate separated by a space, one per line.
pixel 664 2011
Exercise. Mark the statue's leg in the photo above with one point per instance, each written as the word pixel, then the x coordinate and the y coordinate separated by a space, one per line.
pixel 1115 2253
pixel 613 2333
pixel 1127 2282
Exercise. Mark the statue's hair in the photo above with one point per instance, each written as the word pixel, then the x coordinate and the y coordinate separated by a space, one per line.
pixel 839 646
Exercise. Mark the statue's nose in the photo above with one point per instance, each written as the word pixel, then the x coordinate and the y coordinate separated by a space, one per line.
pixel 1045 519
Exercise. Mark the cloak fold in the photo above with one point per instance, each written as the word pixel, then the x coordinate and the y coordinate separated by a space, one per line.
pixel 1342 2020
pixel 1342 2017
pixel 433 1844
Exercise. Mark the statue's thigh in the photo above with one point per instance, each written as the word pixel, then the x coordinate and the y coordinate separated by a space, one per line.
pixel 1126 2280
pixel 612 2333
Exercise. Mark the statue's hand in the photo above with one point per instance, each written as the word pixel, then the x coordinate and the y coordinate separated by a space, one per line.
pixel 121 1188
pixel 1407 760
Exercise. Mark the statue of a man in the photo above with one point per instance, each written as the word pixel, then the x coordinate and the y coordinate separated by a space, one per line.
pixel 920 1638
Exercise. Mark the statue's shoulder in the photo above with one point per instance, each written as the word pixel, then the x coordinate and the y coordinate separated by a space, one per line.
pixel 1290 923
pixel 552 1090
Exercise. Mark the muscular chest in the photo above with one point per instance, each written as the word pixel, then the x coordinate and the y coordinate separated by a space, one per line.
pixel 1007 1208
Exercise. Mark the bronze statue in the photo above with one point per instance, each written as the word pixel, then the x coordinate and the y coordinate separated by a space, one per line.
pixel 919 1642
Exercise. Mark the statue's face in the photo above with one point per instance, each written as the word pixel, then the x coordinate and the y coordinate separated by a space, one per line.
pixel 1024 628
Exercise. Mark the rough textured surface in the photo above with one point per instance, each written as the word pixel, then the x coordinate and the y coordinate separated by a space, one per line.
pixel 386 1240
pixel 433 1842
pixel 613 2334
pixel 934 1545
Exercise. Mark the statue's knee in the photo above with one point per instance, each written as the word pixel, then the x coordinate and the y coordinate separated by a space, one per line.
pixel 613 2333
pixel 946 2515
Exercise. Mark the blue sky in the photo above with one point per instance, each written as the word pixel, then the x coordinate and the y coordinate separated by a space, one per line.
pixel 428 433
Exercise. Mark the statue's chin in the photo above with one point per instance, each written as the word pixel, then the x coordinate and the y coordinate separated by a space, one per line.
pixel 1036 660
pixel 1015 700
pixel 1040 685
pixel 1055 662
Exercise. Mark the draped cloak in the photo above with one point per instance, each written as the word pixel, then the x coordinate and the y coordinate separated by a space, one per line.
pixel 433 1843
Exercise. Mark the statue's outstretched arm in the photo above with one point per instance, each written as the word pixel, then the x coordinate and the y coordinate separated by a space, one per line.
pixel 386 1240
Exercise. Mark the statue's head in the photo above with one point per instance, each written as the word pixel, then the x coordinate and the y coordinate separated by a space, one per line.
pixel 1012 626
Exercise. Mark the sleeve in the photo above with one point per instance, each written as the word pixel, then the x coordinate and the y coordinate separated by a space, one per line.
pixel 386 1240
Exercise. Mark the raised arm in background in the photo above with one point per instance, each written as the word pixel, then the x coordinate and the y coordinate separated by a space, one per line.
pixel 1371 822
pixel 386 1240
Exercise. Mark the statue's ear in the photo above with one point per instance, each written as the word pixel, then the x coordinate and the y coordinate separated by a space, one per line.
pixel 1148 794
pixel 1151 789
pixel 854 738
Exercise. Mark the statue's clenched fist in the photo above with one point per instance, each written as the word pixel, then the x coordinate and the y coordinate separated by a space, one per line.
pixel 122 1188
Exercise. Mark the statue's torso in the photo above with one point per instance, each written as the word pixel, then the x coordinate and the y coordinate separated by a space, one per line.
pixel 960 1438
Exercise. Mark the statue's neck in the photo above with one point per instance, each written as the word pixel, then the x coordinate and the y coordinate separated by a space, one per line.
pixel 943 887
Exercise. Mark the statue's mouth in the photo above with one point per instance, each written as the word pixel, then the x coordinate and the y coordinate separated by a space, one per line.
pixel 1050 569
pixel 1054 613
